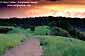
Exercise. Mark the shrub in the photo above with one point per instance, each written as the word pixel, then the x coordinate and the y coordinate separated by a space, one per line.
pixel 5 30
pixel 42 30
pixel 32 28
pixel 59 32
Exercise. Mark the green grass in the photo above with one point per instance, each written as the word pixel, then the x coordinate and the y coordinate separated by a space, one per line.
pixel 42 30
pixel 52 45
pixel 14 37
pixel 9 41
pixel 62 46
pixel 39 30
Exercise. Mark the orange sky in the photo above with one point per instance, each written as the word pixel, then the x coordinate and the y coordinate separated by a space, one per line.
pixel 65 8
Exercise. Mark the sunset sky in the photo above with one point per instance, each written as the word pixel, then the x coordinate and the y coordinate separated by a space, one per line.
pixel 65 8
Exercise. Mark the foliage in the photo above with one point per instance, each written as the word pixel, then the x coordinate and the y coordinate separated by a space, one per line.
pixel 59 32
pixel 68 27
pixel 17 35
pixel 42 30
pixel 32 28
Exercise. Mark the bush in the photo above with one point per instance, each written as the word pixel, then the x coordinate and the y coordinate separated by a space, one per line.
pixel 66 25
pixel 59 32
pixel 5 30
pixel 42 30
pixel 75 33
pixel 32 28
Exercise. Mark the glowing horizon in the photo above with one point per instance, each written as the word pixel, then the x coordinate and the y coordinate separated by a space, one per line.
pixel 63 10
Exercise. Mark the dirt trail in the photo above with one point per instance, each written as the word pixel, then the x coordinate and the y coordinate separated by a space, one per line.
pixel 31 47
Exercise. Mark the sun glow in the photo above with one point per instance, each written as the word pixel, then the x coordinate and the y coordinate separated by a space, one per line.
pixel 57 10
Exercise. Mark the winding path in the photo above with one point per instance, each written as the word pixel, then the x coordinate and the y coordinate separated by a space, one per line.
pixel 30 47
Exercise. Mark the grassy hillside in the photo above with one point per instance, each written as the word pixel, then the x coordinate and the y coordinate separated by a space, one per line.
pixel 52 45
pixel 61 46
